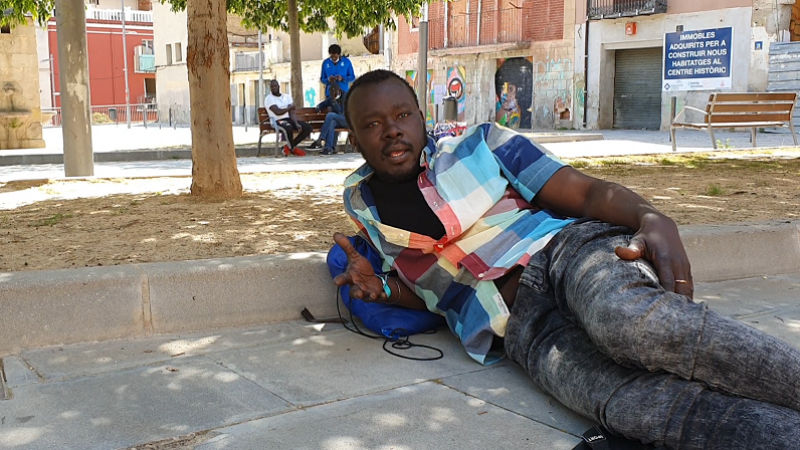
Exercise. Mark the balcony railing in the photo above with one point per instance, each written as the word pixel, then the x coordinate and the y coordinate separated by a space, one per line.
pixel 246 62
pixel 144 63
pixel 609 9
pixel 115 15
pixel 488 27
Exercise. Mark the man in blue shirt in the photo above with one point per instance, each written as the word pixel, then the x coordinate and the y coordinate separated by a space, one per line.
pixel 337 69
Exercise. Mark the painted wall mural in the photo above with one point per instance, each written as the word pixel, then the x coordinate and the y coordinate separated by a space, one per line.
pixel 311 97
pixel 513 84
pixel 553 80
pixel 457 87
pixel 411 78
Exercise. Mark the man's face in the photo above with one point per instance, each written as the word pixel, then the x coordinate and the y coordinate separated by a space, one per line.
pixel 388 130
pixel 335 57
pixel 274 87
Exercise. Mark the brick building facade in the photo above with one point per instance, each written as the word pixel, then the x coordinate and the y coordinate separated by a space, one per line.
pixel 505 60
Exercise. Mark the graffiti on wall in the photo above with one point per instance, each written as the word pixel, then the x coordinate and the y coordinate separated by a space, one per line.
pixel 411 78
pixel 456 87
pixel 311 97
pixel 513 84
pixel 580 96
pixel 553 83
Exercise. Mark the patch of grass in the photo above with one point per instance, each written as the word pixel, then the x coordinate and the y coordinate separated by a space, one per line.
pixel 579 164
pixel 667 162
pixel 724 145
pixel 54 220
pixel 613 162
pixel 714 190
pixel 100 118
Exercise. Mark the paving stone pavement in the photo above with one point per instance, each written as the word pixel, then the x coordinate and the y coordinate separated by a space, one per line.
pixel 111 139
pixel 294 385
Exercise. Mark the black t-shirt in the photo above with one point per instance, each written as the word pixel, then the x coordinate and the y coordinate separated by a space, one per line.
pixel 401 205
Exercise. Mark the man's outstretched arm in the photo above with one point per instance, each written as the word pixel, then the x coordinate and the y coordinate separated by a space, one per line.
pixel 571 193
pixel 365 285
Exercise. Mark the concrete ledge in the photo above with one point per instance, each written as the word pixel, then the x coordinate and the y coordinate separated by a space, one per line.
pixel 553 138
pixel 199 295
pixel 29 158
pixel 72 305
pixel 727 252
pixel 94 304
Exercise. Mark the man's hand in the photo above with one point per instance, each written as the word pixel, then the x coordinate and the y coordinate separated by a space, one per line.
pixel 359 274
pixel 331 78
pixel 658 242
pixel 297 126
pixel 290 107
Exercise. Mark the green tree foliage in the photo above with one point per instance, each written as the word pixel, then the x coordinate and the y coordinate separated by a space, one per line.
pixel 13 12
pixel 347 17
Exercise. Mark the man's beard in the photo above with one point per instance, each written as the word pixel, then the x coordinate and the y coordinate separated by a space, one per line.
pixel 395 177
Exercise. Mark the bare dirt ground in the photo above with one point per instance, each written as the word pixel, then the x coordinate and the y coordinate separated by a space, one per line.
pixel 70 224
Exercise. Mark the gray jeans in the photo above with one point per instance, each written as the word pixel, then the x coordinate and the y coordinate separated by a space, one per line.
pixel 604 338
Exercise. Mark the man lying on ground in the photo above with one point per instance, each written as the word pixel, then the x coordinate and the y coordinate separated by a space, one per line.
pixel 580 281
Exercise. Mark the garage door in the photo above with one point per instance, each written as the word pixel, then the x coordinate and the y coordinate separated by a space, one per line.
pixel 637 89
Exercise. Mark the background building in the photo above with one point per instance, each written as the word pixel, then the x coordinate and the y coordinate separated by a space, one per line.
pixel 509 61
pixel 107 56
pixel 246 95
pixel 624 46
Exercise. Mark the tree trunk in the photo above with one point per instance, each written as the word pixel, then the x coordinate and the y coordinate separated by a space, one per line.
pixel 294 47
pixel 214 171
pixel 76 126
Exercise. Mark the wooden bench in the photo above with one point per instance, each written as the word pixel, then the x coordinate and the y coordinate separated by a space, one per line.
pixel 739 110
pixel 309 115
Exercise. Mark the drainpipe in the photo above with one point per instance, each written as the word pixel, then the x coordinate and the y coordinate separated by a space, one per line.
pixel 586 68
pixel 466 26
pixel 497 19
pixel 422 62
pixel 480 17
pixel 446 13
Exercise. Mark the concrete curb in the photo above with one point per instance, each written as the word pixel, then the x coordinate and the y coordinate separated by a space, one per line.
pixel 242 151
pixel 56 307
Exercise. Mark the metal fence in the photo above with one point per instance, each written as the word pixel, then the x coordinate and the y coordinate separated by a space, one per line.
pixel 115 15
pixel 488 27
pixel 141 113
pixel 608 9
pixel 247 61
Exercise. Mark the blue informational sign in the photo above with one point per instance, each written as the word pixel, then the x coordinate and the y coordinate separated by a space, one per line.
pixel 698 60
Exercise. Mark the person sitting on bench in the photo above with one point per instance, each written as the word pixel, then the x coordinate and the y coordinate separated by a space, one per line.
pixel 281 111
pixel 333 120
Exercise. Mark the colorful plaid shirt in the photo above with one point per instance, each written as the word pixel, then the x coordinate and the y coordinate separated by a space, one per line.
pixel 480 185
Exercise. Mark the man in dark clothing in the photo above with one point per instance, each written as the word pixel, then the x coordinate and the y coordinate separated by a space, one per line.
pixel 333 119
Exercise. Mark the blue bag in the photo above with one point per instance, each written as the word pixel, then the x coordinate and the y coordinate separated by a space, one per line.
pixel 388 320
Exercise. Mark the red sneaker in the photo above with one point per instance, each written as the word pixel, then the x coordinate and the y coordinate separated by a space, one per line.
pixel 286 150
pixel 299 152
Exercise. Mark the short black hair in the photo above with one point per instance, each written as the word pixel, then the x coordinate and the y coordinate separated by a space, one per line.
pixel 335 49
pixel 370 78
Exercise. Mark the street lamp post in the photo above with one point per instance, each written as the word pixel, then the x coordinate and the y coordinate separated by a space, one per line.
pixel 125 68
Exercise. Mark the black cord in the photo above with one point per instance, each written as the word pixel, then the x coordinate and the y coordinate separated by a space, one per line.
pixel 400 342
